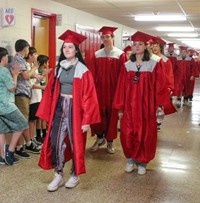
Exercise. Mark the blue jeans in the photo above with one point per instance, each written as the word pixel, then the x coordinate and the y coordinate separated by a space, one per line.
pixel 131 161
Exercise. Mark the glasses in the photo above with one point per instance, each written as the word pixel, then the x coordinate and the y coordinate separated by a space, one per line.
pixel 136 77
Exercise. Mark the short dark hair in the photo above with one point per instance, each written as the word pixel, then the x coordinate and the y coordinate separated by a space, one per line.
pixel 42 59
pixel 146 56
pixel 20 44
pixel 3 52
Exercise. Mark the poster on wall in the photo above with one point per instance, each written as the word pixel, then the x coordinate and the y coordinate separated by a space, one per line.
pixel 8 17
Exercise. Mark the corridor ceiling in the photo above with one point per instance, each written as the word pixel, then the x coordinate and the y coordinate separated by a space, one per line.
pixel 123 12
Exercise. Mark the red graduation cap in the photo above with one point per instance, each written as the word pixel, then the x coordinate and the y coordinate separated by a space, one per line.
pixel 159 40
pixel 107 30
pixel 128 48
pixel 141 36
pixel 150 41
pixel 192 51
pixel 183 48
pixel 171 45
pixel 72 37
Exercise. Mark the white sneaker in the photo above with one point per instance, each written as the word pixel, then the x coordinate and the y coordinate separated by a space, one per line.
pixel 178 103
pixel 188 103
pixel 55 183
pixel 129 168
pixel 98 143
pixel 72 182
pixel 110 148
pixel 141 170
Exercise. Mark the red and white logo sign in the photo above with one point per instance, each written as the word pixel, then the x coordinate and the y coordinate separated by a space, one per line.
pixel 8 16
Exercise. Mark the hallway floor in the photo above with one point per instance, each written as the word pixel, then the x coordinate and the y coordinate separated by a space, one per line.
pixel 172 177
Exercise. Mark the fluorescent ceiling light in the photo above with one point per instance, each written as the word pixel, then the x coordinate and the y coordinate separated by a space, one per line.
pixel 160 18
pixel 188 39
pixel 191 42
pixel 182 35
pixel 174 29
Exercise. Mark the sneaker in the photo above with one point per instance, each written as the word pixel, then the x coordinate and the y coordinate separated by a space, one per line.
pixel 129 168
pixel 98 143
pixel 8 155
pixel 39 139
pixel 185 102
pixel 110 148
pixel 141 170
pixel 15 160
pixel 2 161
pixel 178 103
pixel 188 104
pixel 37 144
pixel 32 148
pixel 55 183
pixel 36 141
pixel 72 182
pixel 22 154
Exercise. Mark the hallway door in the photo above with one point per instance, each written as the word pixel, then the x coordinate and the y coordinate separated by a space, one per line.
pixel 44 34
pixel 41 34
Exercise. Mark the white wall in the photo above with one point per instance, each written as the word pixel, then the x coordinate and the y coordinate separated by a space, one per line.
pixel 70 17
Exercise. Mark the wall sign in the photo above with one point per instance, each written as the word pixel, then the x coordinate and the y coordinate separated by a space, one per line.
pixel 8 17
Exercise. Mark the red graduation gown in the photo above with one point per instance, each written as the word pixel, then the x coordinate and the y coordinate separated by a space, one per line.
pixel 168 73
pixel 172 58
pixel 138 129
pixel 184 70
pixel 85 111
pixel 106 69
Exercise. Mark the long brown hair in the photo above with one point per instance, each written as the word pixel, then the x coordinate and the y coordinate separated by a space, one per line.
pixel 146 56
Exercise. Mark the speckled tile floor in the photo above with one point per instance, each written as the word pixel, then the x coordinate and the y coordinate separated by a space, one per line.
pixel 172 177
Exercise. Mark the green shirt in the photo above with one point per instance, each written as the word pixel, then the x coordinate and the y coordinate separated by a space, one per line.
pixel 7 98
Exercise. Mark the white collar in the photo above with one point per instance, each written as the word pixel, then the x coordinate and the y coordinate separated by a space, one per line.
pixel 68 64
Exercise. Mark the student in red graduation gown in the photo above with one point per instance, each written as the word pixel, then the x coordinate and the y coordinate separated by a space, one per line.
pixel 128 51
pixel 158 49
pixel 70 106
pixel 141 89
pixel 184 77
pixel 171 55
pixel 106 66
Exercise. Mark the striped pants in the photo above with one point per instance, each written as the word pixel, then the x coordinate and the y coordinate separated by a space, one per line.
pixel 61 127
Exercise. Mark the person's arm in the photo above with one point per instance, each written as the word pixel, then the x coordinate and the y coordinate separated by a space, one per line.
pixel 26 75
pixel 38 87
pixel 15 72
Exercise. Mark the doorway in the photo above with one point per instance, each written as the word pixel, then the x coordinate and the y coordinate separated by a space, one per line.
pixel 44 34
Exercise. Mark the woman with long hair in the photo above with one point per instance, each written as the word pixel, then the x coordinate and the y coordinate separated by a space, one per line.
pixel 140 91
pixel 69 105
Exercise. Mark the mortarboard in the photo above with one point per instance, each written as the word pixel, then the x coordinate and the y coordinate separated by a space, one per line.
pixel 159 40
pixel 192 51
pixel 183 48
pixel 141 36
pixel 72 37
pixel 150 41
pixel 171 45
pixel 128 48
pixel 107 30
